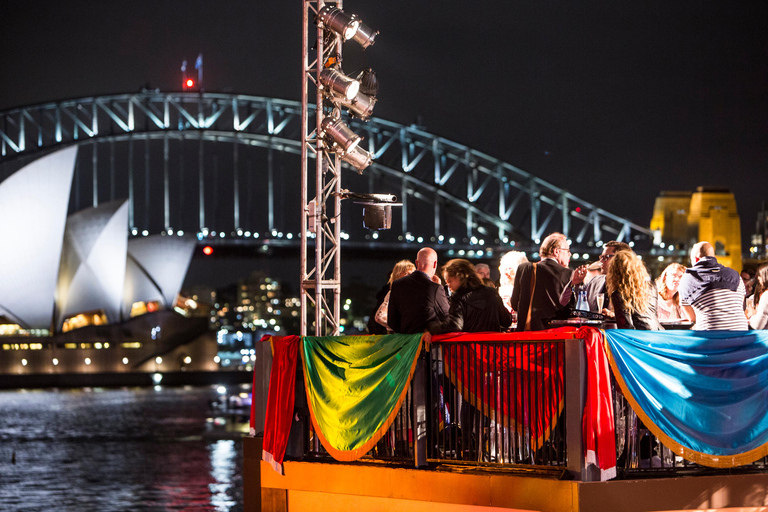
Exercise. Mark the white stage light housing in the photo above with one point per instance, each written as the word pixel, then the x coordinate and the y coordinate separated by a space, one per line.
pixel 339 84
pixel 364 35
pixel 358 158
pixel 348 26
pixel 362 106
pixel 339 133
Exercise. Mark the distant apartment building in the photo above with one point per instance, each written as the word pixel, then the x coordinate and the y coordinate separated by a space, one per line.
pixel 680 219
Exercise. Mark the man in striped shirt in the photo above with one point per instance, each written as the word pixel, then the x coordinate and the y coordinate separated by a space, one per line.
pixel 712 292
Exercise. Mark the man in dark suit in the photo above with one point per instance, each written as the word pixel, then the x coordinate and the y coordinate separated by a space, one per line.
pixel 419 298
pixel 552 275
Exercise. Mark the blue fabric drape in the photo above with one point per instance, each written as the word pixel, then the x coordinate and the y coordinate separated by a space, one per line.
pixel 704 394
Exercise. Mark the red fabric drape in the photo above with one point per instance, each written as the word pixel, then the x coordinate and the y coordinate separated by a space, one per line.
pixel 598 429
pixel 521 382
pixel 282 385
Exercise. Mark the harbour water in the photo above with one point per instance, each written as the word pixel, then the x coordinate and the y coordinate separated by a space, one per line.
pixel 138 449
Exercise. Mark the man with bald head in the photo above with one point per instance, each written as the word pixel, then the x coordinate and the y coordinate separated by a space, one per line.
pixel 711 293
pixel 419 298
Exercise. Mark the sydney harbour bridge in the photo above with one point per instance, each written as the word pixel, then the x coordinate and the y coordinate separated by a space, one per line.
pixel 226 167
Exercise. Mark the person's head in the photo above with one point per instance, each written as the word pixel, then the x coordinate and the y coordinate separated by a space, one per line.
pixel 556 246
pixel 459 273
pixel 627 276
pixel 701 250
pixel 483 271
pixel 402 268
pixel 748 276
pixel 761 281
pixel 508 266
pixel 669 281
pixel 426 261
pixel 609 250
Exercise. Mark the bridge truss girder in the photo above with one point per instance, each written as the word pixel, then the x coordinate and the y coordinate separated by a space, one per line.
pixel 489 198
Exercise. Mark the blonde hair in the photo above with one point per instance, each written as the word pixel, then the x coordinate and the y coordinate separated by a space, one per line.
pixel 661 282
pixel 401 269
pixel 508 266
pixel 627 276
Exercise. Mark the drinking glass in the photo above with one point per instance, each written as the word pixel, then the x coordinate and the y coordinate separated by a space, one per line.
pixel 600 302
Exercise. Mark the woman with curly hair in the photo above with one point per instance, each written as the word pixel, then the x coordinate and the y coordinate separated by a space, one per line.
pixel 633 295
pixel 758 314
pixel 667 284
pixel 474 306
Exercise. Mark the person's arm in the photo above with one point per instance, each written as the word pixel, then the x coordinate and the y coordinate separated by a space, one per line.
pixel 567 294
pixel 514 301
pixel 505 317
pixel 689 313
pixel 393 315
pixel 760 319
pixel 441 304
pixel 623 316
pixel 454 321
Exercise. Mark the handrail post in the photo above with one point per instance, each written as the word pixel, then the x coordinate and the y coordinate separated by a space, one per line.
pixel 575 392
pixel 419 412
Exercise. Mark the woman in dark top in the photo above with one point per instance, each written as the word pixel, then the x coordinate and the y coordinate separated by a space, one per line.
pixel 633 294
pixel 474 306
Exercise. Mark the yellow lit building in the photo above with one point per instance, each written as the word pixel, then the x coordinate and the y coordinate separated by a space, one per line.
pixel 681 219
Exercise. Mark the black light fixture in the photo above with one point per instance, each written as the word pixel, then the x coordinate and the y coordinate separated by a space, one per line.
pixel 377 208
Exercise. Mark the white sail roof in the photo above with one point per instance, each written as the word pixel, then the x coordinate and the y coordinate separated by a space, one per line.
pixel 156 268
pixel 93 262
pixel 33 212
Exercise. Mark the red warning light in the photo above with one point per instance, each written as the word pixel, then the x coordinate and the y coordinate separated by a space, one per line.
pixel 189 83
pixel 207 250
pixel 578 209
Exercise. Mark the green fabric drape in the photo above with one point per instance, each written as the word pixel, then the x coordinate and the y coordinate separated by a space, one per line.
pixel 355 387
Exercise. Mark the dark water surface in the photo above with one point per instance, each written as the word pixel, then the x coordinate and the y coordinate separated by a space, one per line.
pixel 116 450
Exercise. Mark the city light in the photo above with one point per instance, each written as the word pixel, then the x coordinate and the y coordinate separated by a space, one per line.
pixel 55 362
pixel 207 250
pixel 87 360
pixel 159 360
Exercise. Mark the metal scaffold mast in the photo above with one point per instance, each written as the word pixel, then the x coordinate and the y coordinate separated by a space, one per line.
pixel 328 141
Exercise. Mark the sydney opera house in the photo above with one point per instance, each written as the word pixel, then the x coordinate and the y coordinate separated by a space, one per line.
pixel 77 295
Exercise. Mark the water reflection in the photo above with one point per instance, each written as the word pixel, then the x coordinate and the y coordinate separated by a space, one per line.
pixel 129 449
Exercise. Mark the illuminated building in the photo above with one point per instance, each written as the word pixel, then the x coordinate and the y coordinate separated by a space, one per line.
pixel 680 219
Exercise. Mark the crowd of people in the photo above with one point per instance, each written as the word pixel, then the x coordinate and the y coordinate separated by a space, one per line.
pixel 459 296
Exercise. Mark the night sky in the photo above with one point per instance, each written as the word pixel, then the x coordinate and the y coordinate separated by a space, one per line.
pixel 613 101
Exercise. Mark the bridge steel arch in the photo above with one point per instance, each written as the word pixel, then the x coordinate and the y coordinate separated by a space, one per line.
pixel 448 190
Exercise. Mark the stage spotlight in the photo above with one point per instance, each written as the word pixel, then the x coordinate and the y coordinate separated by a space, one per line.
pixel 339 84
pixel 362 106
pixel 338 133
pixel 346 25
pixel 358 158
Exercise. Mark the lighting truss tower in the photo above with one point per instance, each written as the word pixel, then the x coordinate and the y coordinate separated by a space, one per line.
pixel 329 140
pixel 320 280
